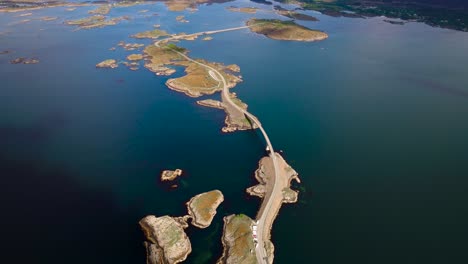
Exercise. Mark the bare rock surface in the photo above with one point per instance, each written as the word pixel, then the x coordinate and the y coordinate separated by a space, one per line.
pixel 166 242
pixel 238 245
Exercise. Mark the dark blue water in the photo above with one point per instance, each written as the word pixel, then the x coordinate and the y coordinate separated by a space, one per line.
pixel 373 119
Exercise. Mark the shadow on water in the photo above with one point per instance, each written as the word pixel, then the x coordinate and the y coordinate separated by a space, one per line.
pixel 49 218
pixel 436 86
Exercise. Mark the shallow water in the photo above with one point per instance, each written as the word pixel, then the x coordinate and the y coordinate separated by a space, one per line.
pixel 373 119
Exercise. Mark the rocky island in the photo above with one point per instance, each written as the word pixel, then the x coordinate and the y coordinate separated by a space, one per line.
pixel 96 21
pixel 22 60
pixel 284 30
pixel 170 175
pixel 134 57
pixel 166 241
pixel 130 46
pixel 48 18
pixel 102 10
pixel 238 245
pixel 202 207
pixel 151 34
pixel 110 63
pixel 248 10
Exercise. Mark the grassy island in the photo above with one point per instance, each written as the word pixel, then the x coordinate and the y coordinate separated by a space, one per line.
pixel 197 81
pixel 202 207
pixel 248 10
pixel 152 34
pixel 102 10
pixel 285 30
pixel 96 21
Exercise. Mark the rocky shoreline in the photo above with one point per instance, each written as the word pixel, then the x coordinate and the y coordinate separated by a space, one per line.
pixel 170 175
pixel 202 208
pixel 110 63
pixel 238 246
pixel 234 121
pixel 166 240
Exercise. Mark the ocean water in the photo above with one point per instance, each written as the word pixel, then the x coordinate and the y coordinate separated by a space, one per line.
pixel 373 119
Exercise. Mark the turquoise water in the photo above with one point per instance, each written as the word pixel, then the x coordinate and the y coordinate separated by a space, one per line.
pixel 373 119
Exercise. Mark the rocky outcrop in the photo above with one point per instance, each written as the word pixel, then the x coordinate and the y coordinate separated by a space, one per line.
pixel 202 207
pixel 235 120
pixel 170 175
pixel 211 103
pixel 107 64
pixel 134 57
pixel 261 175
pixel 238 245
pixel 22 60
pixel 166 242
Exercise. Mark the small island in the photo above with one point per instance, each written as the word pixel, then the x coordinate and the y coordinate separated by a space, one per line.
pixel 202 207
pixel 130 46
pixel 22 60
pixel 96 21
pixel 102 10
pixel 151 34
pixel 48 18
pixel 248 10
pixel 181 19
pixel 110 63
pixel 134 57
pixel 170 175
pixel 285 30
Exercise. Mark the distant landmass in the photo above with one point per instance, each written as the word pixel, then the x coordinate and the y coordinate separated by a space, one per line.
pixel 433 3
pixel 451 14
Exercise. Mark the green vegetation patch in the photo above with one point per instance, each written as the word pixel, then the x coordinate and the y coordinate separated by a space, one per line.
pixel 174 47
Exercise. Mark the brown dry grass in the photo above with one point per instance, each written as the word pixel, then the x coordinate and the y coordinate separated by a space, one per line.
pixel 204 204
pixel 285 30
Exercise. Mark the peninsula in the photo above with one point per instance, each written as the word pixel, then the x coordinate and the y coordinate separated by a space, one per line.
pixel 284 30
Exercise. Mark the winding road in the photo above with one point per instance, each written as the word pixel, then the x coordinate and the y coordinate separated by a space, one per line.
pixel 262 229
